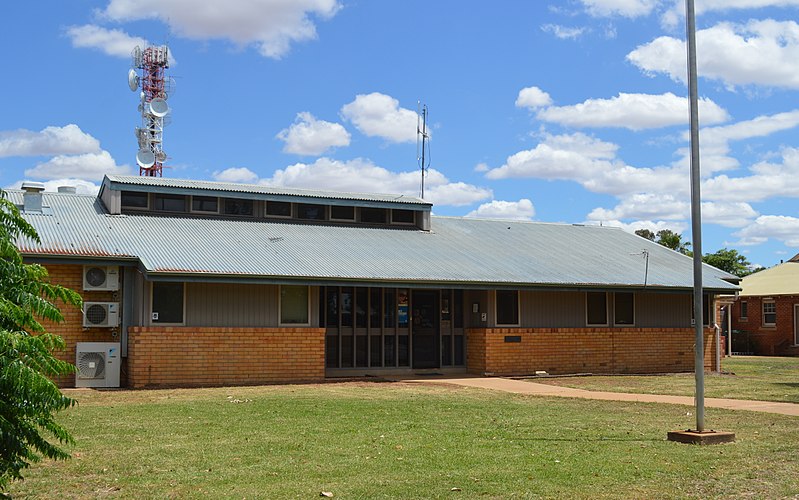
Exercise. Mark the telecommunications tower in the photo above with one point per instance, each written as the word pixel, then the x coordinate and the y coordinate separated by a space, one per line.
pixel 155 90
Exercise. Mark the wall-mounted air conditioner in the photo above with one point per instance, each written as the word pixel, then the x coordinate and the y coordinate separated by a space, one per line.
pixel 101 314
pixel 101 278
pixel 97 364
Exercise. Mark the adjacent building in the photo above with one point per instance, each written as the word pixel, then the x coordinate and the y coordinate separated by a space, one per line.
pixel 209 283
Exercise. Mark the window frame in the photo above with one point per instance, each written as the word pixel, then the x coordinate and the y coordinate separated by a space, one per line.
pixel 518 309
pixel 744 308
pixel 763 312
pixel 385 211
pixel 152 297
pixel 354 215
pixel 403 223
pixel 238 200
pixel 280 307
pixel 192 209
pixel 301 206
pixel 607 316
pixel 131 207
pixel 616 323
pixel 273 216
pixel 171 197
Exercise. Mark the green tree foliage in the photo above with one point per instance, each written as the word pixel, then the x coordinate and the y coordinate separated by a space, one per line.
pixel 667 238
pixel 731 261
pixel 646 233
pixel 28 397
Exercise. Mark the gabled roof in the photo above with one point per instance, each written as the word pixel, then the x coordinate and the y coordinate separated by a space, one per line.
pixel 254 191
pixel 782 279
pixel 456 252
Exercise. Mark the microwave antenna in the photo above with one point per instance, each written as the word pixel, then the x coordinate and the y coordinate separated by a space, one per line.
pixel 422 141
pixel 147 73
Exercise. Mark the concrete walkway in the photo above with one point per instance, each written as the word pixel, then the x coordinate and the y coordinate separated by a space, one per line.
pixel 536 389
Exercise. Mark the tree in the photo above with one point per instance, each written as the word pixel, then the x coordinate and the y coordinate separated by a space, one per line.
pixel 29 398
pixel 729 260
pixel 646 233
pixel 670 239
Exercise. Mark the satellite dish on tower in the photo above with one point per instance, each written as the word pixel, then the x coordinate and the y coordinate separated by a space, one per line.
pixel 159 107
pixel 145 158
pixel 133 80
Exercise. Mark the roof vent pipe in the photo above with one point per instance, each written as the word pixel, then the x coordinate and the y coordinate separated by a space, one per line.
pixel 67 189
pixel 32 197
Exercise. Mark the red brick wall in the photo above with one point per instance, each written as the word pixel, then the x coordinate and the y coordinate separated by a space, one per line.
pixel 766 340
pixel 71 330
pixel 585 350
pixel 208 356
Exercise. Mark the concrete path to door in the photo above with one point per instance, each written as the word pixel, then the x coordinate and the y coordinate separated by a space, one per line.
pixel 536 389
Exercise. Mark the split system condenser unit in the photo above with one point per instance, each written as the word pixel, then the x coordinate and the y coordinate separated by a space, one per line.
pixel 100 278
pixel 97 364
pixel 101 314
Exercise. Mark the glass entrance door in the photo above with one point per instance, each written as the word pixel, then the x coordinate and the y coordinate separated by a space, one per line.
pixel 425 324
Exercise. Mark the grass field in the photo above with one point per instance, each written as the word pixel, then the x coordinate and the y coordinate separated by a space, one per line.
pixel 401 440
pixel 764 378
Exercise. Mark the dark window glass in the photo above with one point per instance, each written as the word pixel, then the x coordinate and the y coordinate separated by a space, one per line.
pixel 278 209
pixel 391 307
pixel 402 308
pixel 388 353
pixel 205 204
pixel 344 213
pixel 507 307
pixel 744 310
pixel 235 206
pixel 373 215
pixel 361 304
pixel 458 308
pixel 402 355
pixel 361 350
pixel 706 309
pixel 167 302
pixel 624 308
pixel 169 203
pixel 331 351
pixel 294 301
pixel 446 305
pixel 375 358
pixel 769 313
pixel 132 199
pixel 346 351
pixel 403 216
pixel 459 350
pixel 446 350
pixel 596 304
pixel 311 212
pixel 375 307
pixel 346 307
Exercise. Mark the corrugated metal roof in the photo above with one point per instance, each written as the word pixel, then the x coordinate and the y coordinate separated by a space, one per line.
pixel 782 279
pixel 229 187
pixel 456 251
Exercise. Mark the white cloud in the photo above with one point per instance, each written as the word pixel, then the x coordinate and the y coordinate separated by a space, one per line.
pixel 69 139
pixel 235 174
pixel 312 137
pixel 81 186
pixel 563 32
pixel 498 209
pixel 778 227
pixel 762 53
pixel 533 98
pixel 624 8
pixel 362 175
pixel 666 207
pixel 379 115
pixel 90 166
pixel 675 14
pixel 113 42
pixel 632 111
pixel 272 26
pixel 632 227
pixel 768 180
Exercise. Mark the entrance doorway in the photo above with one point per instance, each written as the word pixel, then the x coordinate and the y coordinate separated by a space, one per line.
pixel 425 319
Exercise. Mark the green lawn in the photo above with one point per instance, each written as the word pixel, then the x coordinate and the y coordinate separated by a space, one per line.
pixel 764 378
pixel 402 440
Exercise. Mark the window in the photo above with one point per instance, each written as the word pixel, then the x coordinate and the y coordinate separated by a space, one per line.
pixel 238 207
pixel 311 212
pixel 342 213
pixel 744 310
pixel 169 203
pixel 167 305
pixel 132 199
pixel 507 307
pixel 624 308
pixel 294 308
pixel 596 308
pixel 278 209
pixel 403 216
pixel 205 204
pixel 769 313
pixel 373 215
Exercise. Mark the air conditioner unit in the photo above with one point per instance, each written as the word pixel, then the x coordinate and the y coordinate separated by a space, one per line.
pixel 101 278
pixel 97 364
pixel 101 314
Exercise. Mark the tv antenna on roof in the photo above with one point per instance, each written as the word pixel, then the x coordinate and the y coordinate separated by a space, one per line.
pixel 422 141
pixel 155 90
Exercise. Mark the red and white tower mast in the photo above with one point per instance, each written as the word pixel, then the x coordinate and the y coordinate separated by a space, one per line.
pixel 155 89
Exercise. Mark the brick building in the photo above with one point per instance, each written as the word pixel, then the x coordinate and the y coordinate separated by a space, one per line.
pixel 765 317
pixel 206 283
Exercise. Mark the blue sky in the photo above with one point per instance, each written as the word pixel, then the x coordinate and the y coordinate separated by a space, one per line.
pixel 558 111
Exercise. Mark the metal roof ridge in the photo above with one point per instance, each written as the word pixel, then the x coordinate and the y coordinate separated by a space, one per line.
pixel 532 222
